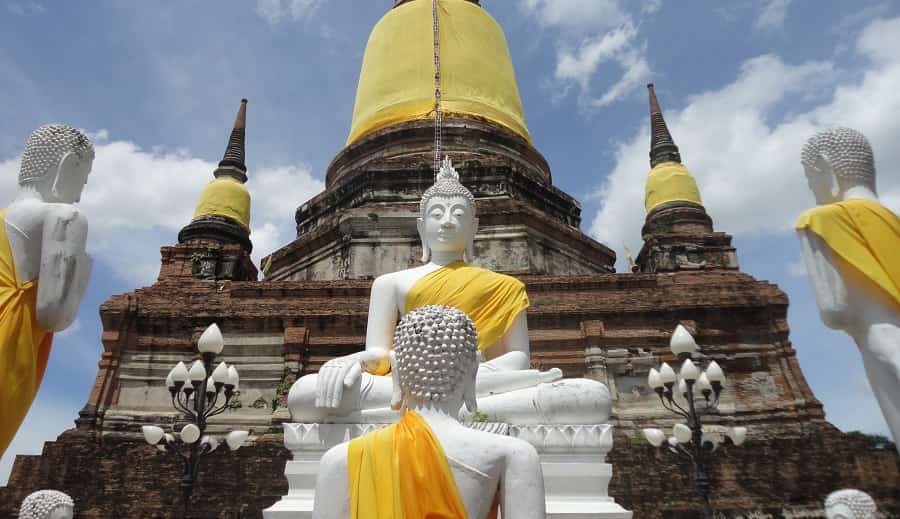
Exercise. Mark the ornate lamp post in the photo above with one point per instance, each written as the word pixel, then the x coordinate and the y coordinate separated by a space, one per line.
pixel 688 439
pixel 199 393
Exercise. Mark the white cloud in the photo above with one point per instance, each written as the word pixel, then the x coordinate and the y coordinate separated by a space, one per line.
pixel 772 14
pixel 577 15
pixel 651 6
pixel 592 33
pixel 274 11
pixel 25 8
pixel 747 166
pixel 137 200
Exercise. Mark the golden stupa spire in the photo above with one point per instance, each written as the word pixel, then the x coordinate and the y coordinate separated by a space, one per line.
pixel 226 196
pixel 669 179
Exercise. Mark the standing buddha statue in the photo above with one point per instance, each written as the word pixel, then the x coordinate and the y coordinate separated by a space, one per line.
pixel 42 237
pixel 851 246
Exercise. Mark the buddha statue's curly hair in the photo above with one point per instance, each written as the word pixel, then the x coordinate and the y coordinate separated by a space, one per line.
pixel 861 504
pixel 434 347
pixel 47 145
pixel 40 504
pixel 847 152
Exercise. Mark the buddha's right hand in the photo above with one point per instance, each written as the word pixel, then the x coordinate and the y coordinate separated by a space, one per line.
pixel 340 373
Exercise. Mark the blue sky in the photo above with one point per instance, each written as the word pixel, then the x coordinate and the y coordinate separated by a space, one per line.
pixel 157 84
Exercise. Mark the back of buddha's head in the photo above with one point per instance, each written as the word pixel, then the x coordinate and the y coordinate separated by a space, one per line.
pixel 435 352
pixel 47 146
pixel 843 152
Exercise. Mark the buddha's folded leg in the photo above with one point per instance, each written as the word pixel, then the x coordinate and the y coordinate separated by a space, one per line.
pixel 568 401
pixel 491 382
pixel 369 392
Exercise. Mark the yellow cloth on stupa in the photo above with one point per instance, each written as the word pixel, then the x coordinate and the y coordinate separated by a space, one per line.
pixel 401 472
pixel 24 345
pixel 865 236
pixel 396 82
pixel 492 301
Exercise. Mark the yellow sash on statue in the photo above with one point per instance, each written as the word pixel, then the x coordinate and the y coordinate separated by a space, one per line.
pixel 401 472
pixel 24 346
pixel 864 235
pixel 492 301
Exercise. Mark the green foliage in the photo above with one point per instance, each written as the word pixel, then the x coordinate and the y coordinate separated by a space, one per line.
pixel 235 402
pixel 480 417
pixel 281 390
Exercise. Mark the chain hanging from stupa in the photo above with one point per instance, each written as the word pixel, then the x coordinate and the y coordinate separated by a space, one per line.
pixel 438 118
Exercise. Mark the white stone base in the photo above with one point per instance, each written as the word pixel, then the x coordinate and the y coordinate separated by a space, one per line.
pixel 573 460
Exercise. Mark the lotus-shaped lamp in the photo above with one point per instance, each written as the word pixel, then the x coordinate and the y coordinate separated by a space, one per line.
pixel 654 436
pixel 211 340
pixel 682 343
pixel 235 439
pixel 190 433
pixel 738 435
pixel 152 434
pixel 197 372
pixel 682 433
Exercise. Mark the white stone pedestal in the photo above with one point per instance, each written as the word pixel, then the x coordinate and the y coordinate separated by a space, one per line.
pixel 573 460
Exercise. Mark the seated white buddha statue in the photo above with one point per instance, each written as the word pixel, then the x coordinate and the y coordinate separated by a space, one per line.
pixel 851 247
pixel 355 388
pixel 429 465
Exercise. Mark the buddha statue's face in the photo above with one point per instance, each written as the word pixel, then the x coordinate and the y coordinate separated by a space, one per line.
pixel 448 224
pixel 821 180
pixel 71 178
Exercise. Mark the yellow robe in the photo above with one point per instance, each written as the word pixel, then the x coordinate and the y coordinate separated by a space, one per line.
pixel 864 236
pixel 492 301
pixel 24 345
pixel 401 472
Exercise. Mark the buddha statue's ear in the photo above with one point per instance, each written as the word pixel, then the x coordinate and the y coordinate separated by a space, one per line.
pixel 470 247
pixel 426 250
pixel 469 396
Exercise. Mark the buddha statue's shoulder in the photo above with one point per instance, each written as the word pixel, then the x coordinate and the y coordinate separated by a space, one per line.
pixel 851 209
pixel 496 276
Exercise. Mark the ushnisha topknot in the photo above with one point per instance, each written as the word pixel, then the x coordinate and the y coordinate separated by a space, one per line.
pixel 446 184
pixel 40 504
pixel 434 347
pixel 47 145
pixel 861 504
pixel 848 153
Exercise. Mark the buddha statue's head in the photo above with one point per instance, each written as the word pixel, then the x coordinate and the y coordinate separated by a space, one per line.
pixel 56 163
pixel 447 222
pixel 836 160
pixel 47 504
pixel 434 360
pixel 850 504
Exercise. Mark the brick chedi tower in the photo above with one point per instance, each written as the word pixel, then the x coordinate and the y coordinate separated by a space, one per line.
pixel 584 318
pixel 217 240
pixel 678 233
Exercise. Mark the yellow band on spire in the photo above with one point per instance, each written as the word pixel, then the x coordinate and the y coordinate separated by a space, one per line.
pixel 669 182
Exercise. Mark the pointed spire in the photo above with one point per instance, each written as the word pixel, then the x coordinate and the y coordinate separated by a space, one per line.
pixel 662 147
pixel 232 163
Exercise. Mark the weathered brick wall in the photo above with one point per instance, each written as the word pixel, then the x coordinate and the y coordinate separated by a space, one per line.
pixel 119 478
pixel 123 478
pixel 768 477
